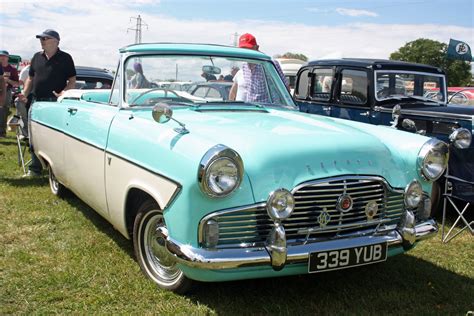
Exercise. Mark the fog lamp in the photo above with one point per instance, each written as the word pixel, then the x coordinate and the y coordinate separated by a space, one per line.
pixel 280 204
pixel 413 194
pixel 210 233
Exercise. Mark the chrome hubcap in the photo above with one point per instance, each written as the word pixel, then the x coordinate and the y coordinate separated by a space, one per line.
pixel 52 181
pixel 160 262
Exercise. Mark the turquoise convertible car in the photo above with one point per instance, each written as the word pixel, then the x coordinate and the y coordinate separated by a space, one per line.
pixel 215 190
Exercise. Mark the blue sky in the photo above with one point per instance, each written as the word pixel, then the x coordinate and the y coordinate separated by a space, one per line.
pixel 453 12
pixel 92 31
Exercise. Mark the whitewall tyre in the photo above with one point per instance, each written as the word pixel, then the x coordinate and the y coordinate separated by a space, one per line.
pixel 154 260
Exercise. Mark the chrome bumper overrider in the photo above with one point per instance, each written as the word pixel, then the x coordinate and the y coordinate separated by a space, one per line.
pixel 215 259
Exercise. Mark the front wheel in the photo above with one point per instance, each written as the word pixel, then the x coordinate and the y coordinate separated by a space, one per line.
pixel 153 258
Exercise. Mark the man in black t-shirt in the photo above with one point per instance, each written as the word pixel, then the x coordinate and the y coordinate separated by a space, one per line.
pixel 51 73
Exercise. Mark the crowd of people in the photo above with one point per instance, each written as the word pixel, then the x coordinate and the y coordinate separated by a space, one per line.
pixel 52 72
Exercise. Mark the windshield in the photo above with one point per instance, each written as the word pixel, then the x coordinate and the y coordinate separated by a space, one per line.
pixel 196 80
pixel 401 84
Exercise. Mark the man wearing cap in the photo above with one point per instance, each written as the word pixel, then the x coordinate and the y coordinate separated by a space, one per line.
pixel 249 82
pixel 10 76
pixel 52 72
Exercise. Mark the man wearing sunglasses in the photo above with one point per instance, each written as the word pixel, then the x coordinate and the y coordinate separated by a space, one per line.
pixel 52 72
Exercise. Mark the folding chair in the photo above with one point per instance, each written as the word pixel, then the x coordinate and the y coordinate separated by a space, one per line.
pixel 459 190
pixel 19 123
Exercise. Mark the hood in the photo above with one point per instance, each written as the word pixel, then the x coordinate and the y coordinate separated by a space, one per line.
pixel 281 149
pixel 452 111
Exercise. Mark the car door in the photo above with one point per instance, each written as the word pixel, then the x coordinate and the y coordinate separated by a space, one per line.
pixel 314 90
pixel 87 124
pixel 351 90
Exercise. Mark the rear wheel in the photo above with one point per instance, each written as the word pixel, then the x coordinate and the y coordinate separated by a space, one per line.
pixel 153 258
pixel 56 188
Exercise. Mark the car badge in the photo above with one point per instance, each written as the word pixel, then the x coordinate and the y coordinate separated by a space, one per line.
pixel 324 218
pixel 344 203
pixel 371 209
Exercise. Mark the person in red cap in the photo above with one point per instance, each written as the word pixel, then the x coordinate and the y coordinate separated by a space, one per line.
pixel 249 82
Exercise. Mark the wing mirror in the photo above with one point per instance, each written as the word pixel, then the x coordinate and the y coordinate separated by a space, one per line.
pixel 162 113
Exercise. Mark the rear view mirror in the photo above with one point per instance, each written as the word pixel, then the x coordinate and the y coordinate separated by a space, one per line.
pixel 211 70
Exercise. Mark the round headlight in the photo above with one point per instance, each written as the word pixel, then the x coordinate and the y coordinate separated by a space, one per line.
pixel 220 171
pixel 280 204
pixel 413 194
pixel 433 159
pixel 461 138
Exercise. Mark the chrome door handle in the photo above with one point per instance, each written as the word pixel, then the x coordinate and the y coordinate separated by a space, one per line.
pixel 72 110
pixel 365 113
pixel 326 108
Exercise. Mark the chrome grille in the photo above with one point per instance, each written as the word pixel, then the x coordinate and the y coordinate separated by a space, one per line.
pixel 250 226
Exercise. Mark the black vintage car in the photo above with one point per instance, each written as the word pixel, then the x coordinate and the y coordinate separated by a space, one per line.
pixel 93 78
pixel 406 96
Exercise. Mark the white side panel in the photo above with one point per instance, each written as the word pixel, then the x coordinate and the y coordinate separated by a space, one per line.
pixel 49 145
pixel 121 176
pixel 85 173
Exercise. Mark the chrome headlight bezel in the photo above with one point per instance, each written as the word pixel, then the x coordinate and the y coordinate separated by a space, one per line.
pixel 413 194
pixel 282 197
pixel 216 154
pixel 461 138
pixel 433 148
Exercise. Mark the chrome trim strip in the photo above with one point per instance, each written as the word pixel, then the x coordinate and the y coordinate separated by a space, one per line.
pixel 107 152
pixel 429 114
pixel 258 256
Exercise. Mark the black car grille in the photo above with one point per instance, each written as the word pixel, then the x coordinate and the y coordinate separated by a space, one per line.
pixel 251 226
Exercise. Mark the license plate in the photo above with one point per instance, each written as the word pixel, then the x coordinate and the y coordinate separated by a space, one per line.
pixel 345 258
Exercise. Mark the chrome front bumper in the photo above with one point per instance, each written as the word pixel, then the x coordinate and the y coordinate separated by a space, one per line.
pixel 215 259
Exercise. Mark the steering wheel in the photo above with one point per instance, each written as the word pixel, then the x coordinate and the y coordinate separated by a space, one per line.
pixel 156 89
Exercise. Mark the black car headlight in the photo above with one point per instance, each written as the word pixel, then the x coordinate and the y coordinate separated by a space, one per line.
pixel 220 171
pixel 433 159
pixel 461 138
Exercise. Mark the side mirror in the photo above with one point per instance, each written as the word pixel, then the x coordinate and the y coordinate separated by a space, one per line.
pixel 211 70
pixel 162 113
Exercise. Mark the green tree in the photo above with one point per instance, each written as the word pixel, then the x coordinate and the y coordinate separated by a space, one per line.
pixel 293 56
pixel 430 52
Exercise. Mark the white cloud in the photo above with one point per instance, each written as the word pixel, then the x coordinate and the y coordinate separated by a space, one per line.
pixel 93 31
pixel 355 12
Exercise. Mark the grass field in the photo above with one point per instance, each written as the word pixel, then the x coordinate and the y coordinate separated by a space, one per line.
pixel 58 256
